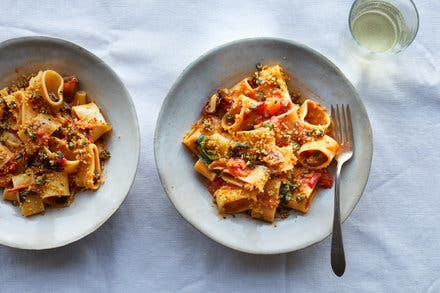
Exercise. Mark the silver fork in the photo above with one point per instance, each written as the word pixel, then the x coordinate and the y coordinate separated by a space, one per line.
pixel 344 136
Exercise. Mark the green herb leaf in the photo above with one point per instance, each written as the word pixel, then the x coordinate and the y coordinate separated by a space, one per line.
pixel 268 125
pixel 296 146
pixel 287 190
pixel 200 140
pixel 260 96
pixel 203 154
pixel 206 124
pixel 317 132
pixel 285 193
pixel 105 154
pixel 204 159
pixel 300 198
pixel 230 118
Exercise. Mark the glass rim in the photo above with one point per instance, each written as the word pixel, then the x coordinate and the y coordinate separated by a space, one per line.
pixel 386 52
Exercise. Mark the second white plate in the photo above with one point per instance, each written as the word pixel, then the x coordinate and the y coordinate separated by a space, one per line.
pixel 90 210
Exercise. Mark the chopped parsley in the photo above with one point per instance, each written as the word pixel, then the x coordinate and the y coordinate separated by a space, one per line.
pixel 59 155
pixel 65 108
pixel 207 124
pixel 36 95
pixel 287 190
pixel 96 176
pixel 23 193
pixel 70 131
pixel 54 162
pixel 296 146
pixel 105 154
pixel 316 132
pixel 230 118
pixel 285 193
pixel 268 125
pixel 304 171
pixel 260 96
pixel 3 125
pixel 11 104
pixel 40 179
pixel 300 198
pixel 31 133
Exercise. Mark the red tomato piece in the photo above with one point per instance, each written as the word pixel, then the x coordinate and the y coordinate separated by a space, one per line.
pixel 70 87
pixel 26 186
pixel 326 181
pixel 40 132
pixel 238 168
pixel 5 181
pixel 10 167
pixel 61 162
pixel 261 109
pixel 273 106
pixel 312 179
pixel 224 105
pixel 214 185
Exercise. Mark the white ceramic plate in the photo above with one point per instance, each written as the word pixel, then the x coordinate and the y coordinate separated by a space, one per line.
pixel 90 209
pixel 224 66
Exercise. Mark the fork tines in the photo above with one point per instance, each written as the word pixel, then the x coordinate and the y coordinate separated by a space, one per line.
pixel 342 123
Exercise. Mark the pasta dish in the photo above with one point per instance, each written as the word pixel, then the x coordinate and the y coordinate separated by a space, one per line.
pixel 260 149
pixel 51 144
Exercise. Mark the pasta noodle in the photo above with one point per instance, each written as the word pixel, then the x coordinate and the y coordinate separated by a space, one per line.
pixel 267 201
pixel 200 167
pixel 80 98
pixel 5 155
pixel 89 168
pixel 314 116
pixel 52 85
pixel 260 152
pixel 11 140
pixel 49 137
pixel 319 153
pixel 90 118
pixel 231 199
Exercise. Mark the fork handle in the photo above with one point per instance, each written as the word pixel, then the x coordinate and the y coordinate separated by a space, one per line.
pixel 337 250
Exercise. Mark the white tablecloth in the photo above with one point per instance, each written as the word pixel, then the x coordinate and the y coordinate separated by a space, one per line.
pixel 391 238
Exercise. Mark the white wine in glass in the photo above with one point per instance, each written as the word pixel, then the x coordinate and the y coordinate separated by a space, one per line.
pixel 383 25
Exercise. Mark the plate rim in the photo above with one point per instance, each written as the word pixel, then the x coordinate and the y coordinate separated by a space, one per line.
pixel 177 82
pixel 75 47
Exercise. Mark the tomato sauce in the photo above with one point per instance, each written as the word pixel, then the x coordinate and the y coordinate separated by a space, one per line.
pixel 238 168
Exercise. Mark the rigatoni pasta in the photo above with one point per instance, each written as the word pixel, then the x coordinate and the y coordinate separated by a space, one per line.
pixel 49 138
pixel 260 152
